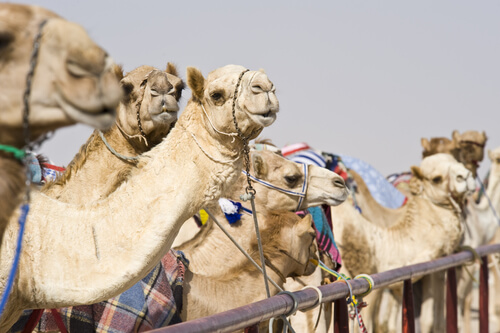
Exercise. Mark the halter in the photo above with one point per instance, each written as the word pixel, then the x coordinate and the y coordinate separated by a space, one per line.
pixel 468 142
pixel 26 132
pixel 300 194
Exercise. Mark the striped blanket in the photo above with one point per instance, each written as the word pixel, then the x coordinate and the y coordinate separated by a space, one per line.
pixel 154 302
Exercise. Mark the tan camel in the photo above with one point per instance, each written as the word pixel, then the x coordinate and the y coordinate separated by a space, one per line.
pixel 288 245
pixel 73 81
pixel 440 185
pixel 144 117
pixel 481 224
pixel 82 254
pixel 323 187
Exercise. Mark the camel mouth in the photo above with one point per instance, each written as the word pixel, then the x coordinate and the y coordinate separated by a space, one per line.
pixel 264 119
pixel 100 119
pixel 167 116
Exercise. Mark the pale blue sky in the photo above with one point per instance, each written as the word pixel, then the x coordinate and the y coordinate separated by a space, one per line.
pixel 366 79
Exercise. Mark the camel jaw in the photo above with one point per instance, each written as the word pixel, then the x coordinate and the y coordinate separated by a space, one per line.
pixel 264 119
pixel 102 119
pixel 165 117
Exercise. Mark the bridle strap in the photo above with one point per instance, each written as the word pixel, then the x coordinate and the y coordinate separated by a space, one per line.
pixel 300 194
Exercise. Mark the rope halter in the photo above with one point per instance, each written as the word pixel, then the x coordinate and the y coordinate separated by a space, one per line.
pixel 301 194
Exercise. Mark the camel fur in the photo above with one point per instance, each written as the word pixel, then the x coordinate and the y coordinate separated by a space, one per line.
pixel 73 81
pixel 371 244
pixel 95 172
pixel 82 254
pixel 288 245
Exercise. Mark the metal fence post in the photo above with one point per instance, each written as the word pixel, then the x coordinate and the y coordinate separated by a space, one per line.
pixel 340 316
pixel 483 296
pixel 451 301
pixel 408 308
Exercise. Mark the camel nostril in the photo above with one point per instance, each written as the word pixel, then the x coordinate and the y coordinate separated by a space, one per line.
pixel 339 183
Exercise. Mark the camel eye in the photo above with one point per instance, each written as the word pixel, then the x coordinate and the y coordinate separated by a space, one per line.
pixel 291 180
pixel 498 161
pixel 216 96
pixel 257 89
pixel 460 178
pixel 154 93
pixel 76 70
pixel 437 180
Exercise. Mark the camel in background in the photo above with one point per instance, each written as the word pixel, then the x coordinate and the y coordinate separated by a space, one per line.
pixel 73 80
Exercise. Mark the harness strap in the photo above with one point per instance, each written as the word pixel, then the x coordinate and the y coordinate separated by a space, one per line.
pixel 300 194
pixel 19 154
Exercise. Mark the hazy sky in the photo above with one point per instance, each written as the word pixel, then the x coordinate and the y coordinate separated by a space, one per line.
pixel 362 78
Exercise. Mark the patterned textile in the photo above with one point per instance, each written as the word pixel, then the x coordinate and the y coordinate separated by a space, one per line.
pixel 153 302
pixel 50 172
pixel 324 234
pixel 302 153
pixel 381 190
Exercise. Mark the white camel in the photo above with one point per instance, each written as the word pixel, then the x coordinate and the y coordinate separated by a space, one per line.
pixel 81 254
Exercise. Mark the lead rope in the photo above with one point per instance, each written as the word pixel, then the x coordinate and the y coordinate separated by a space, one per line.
pixel 26 133
pixel 249 191
pixel 250 195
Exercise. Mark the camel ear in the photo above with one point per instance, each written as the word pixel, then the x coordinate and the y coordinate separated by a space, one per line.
pixel 196 82
pixel 484 137
pixel 416 172
pixel 118 71
pixel 127 87
pixel 456 137
pixel 425 144
pixel 259 167
pixel 171 69
pixel 262 70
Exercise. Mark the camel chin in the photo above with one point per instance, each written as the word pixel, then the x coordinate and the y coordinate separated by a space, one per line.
pixel 166 117
pixel 101 120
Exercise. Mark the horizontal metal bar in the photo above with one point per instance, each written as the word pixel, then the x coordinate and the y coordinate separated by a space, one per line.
pixel 275 306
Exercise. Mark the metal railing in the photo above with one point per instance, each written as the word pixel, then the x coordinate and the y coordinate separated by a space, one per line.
pixel 249 316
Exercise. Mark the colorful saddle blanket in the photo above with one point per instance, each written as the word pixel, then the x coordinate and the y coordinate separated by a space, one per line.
pixel 380 188
pixel 154 302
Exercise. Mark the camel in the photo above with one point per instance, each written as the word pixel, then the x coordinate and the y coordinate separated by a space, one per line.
pixel 149 107
pixel 83 254
pixel 467 148
pixel 73 81
pixel 323 187
pixel 440 185
pixel 287 243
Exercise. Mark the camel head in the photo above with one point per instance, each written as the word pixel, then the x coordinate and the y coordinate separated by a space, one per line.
pixel 73 78
pixel 443 179
pixel 288 243
pixel 470 148
pixel 322 186
pixel 256 103
pixel 151 102
pixel 436 146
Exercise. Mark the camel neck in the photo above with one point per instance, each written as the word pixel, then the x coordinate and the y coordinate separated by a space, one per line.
pixel 120 238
